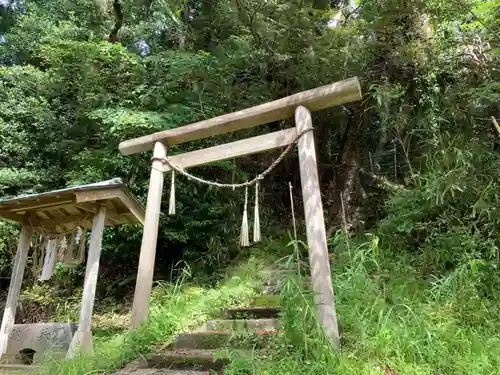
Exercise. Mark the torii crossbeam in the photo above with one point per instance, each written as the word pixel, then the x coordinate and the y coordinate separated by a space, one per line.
pixel 300 105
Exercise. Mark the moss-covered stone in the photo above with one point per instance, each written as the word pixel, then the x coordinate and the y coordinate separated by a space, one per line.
pixel 267 301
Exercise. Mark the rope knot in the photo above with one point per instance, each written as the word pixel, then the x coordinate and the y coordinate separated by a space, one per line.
pixel 155 158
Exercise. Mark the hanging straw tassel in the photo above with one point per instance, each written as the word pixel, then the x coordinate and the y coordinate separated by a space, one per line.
pixel 244 241
pixel 49 264
pixel 256 218
pixel 80 258
pixel 171 203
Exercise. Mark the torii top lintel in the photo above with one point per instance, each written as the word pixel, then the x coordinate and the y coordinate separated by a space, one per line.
pixel 337 93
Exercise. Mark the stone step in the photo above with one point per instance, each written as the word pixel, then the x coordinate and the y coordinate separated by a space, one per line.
pixel 202 340
pixel 252 313
pixel 193 353
pixel 178 359
pixel 266 300
pixel 222 339
pixel 240 325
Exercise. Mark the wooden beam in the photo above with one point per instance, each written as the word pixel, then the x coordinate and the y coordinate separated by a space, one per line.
pixel 321 278
pixel 16 280
pixel 115 206
pixel 58 211
pixel 83 336
pixel 27 201
pixel 231 150
pixel 90 207
pixel 71 221
pixel 135 208
pixel 316 99
pixel 144 283
pixel 66 220
pixel 71 210
pixel 12 216
pixel 48 204
pixel 97 195
pixel 93 208
pixel 495 124
pixel 120 216
pixel 49 215
pixel 40 215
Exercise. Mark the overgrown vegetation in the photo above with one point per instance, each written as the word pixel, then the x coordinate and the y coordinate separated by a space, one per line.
pixel 414 165
pixel 393 321
pixel 175 307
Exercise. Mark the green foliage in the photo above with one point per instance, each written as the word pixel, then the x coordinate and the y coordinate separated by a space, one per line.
pixel 393 321
pixel 174 308
pixel 449 217
pixel 429 76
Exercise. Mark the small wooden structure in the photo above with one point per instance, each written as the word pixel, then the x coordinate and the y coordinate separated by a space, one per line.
pixel 93 206
pixel 299 105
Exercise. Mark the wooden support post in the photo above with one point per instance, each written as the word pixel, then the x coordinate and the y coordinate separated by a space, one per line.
pixel 144 283
pixel 495 124
pixel 83 337
pixel 16 280
pixel 316 234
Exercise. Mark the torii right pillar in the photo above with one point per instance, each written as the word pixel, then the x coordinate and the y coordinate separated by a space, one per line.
pixel 321 278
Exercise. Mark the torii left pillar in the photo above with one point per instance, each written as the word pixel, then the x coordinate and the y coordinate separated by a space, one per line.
pixel 16 280
pixel 144 283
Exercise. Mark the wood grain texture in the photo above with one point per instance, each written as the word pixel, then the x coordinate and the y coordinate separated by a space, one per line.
pixel 495 124
pixel 63 210
pixel 144 283
pixel 46 204
pixel 83 338
pixel 12 216
pixel 133 206
pixel 16 280
pixel 92 196
pixel 92 270
pixel 315 225
pixel 232 150
pixel 316 99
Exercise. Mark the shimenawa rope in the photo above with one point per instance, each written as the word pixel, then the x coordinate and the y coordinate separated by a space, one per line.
pixel 259 177
pixel 244 240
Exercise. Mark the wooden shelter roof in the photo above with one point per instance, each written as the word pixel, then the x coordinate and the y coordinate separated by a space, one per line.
pixel 61 211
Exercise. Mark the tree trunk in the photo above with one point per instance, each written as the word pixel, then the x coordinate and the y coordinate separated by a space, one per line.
pixel 346 193
pixel 117 10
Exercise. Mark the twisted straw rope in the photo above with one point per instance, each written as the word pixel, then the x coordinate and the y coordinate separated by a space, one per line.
pixel 259 177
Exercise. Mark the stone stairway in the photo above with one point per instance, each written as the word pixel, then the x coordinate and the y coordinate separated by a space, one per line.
pixel 193 353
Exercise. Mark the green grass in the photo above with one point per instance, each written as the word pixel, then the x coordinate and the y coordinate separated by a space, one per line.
pixel 394 322
pixel 174 308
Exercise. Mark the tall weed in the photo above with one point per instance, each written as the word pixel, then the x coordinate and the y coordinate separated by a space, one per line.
pixel 393 320
pixel 173 308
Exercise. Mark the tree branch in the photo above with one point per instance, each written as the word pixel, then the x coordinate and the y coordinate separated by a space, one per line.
pixel 382 182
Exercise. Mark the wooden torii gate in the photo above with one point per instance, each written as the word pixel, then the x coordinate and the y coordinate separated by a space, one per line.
pixel 300 105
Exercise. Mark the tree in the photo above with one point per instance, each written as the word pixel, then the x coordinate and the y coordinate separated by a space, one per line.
pixel 79 77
